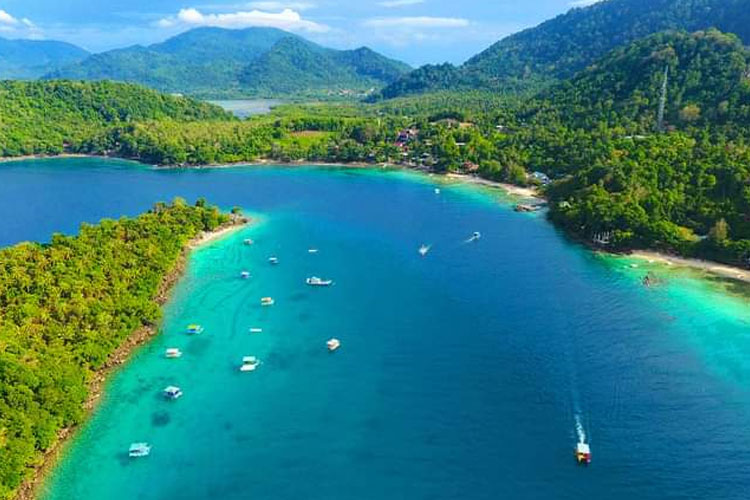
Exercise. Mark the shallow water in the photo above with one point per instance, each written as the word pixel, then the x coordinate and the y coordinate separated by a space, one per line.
pixel 460 375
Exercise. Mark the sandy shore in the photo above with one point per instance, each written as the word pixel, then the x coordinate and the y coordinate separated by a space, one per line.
pixel 523 192
pixel 721 270
pixel 30 489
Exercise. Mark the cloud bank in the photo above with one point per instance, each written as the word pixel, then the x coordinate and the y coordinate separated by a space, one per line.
pixel 287 19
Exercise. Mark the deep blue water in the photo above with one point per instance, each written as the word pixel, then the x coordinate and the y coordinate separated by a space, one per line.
pixel 461 375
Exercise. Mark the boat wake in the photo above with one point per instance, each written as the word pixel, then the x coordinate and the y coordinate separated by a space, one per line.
pixel 580 431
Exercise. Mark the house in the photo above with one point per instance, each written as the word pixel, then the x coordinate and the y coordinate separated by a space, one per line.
pixel 406 136
pixel 541 177
pixel 470 167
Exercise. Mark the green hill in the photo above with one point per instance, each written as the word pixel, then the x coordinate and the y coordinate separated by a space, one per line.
pixel 565 45
pixel 51 117
pixel 250 62
pixel 29 59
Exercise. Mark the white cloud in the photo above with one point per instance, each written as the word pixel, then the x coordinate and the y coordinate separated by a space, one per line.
pixel 417 22
pixel 583 3
pixel 22 28
pixel 287 19
pixel 400 3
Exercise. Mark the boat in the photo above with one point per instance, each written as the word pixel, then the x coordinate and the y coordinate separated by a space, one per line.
pixel 256 330
pixel 249 364
pixel 138 450
pixel 194 329
pixel 273 260
pixel 315 281
pixel 475 236
pixel 267 301
pixel 245 275
pixel 333 344
pixel 525 207
pixel 172 392
pixel 172 353
pixel 583 453
pixel 312 250
pixel 424 250
pixel 249 242
pixel 437 190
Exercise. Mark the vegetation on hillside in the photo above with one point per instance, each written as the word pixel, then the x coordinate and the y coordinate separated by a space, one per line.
pixel 65 307
pixel 27 59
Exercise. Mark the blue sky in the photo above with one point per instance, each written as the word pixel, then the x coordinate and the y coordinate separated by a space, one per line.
pixel 416 31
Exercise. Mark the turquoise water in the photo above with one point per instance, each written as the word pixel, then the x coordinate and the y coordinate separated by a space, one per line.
pixel 461 375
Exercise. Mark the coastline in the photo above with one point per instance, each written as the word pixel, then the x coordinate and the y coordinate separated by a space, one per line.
pixel 709 267
pixel 30 488
pixel 524 192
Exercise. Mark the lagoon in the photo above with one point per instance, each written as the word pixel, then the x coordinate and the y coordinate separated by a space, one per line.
pixel 461 375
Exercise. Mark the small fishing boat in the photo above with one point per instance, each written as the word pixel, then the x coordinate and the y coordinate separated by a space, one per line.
pixel 312 250
pixel 333 344
pixel 583 453
pixel 194 329
pixel 424 250
pixel 245 275
pixel 172 392
pixel 249 242
pixel 267 301
pixel 249 364
pixel 173 353
pixel 528 208
pixel 273 260
pixel 138 450
pixel 256 330
pixel 315 281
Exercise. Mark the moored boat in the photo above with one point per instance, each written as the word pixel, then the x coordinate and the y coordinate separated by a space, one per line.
pixel 273 260
pixel 256 330
pixel 333 344
pixel 194 329
pixel 172 392
pixel 315 281
pixel 172 353
pixel 249 364
pixel 138 450
pixel 583 453
pixel 424 250
pixel 312 250
pixel 267 301
pixel 249 242
pixel 245 275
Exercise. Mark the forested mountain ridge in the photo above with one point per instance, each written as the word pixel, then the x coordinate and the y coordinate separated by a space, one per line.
pixel 248 62
pixel 559 48
pixel 28 59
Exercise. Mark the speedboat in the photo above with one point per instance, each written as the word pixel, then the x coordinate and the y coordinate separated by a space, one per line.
pixel 475 236
pixel 256 330
pixel 267 301
pixel 249 364
pixel 138 450
pixel 172 392
pixel 315 281
pixel 312 250
pixel 194 329
pixel 245 275
pixel 333 344
pixel 583 453
pixel 273 260
pixel 424 250
pixel 172 353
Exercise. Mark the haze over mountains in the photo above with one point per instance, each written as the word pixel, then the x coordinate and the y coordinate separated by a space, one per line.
pixel 253 61
pixel 27 59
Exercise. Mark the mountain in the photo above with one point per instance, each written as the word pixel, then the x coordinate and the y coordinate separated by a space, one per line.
pixel 29 59
pixel 50 117
pixel 563 46
pixel 253 61
pixel 708 85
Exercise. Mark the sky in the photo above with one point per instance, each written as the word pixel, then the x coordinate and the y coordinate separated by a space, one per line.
pixel 414 31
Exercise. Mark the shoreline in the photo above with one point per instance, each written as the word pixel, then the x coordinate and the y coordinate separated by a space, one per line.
pixel 31 486
pixel 714 268
pixel 524 192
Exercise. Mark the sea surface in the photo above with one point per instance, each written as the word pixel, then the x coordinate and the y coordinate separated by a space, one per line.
pixel 468 373
pixel 243 108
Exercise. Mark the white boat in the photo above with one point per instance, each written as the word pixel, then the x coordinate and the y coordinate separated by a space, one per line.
pixel 583 453
pixel 245 275
pixel 312 250
pixel 249 242
pixel 273 260
pixel 172 353
pixel 424 250
pixel 249 364
pixel 267 301
pixel 437 190
pixel 256 330
pixel 172 392
pixel 194 329
pixel 475 236
pixel 138 450
pixel 315 281
pixel 333 344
